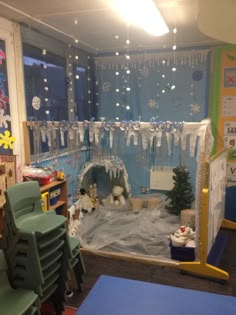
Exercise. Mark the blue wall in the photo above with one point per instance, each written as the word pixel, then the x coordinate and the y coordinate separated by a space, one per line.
pixel 150 76
pixel 187 102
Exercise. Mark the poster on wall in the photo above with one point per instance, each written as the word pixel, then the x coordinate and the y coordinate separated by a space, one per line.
pixel 230 134
pixel 230 77
pixel 217 181
pixel 231 172
pixel 229 106
pixel 223 109
pixel 6 139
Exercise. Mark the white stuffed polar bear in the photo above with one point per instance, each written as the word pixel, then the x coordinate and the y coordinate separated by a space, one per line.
pixel 116 198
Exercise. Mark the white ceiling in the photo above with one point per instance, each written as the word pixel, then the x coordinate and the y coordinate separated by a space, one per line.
pixel 98 25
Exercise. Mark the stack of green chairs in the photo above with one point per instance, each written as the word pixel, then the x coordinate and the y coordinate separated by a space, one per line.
pixel 37 246
pixel 15 301
pixel 76 263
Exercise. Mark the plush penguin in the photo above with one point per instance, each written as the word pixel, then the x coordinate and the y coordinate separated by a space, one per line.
pixel 86 203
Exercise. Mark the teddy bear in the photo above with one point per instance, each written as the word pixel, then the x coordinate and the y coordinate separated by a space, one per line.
pixel 115 198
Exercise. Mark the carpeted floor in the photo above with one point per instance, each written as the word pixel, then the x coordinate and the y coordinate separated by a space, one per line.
pixel 97 265
pixel 48 309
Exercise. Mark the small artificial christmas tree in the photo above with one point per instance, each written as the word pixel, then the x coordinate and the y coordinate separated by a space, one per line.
pixel 181 196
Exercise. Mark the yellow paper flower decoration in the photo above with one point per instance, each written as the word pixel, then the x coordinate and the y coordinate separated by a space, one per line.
pixel 7 140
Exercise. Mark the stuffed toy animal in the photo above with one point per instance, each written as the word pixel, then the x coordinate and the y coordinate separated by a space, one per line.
pixel 115 198
pixel 182 236
pixel 85 202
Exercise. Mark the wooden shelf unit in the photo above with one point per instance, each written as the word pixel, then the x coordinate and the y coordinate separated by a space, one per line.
pixel 7 179
pixel 60 205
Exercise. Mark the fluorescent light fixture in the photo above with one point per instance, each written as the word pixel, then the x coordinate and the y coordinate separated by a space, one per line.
pixel 142 13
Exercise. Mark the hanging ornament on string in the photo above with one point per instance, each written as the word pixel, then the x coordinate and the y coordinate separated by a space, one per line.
pixel 45 82
pixel 36 103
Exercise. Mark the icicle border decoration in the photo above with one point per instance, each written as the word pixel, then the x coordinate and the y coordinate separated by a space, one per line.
pixel 188 57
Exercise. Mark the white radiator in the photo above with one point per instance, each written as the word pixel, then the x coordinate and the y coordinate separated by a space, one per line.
pixel 161 179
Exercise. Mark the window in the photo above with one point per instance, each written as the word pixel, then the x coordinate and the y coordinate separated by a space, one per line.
pixel 45 81
pixel 80 88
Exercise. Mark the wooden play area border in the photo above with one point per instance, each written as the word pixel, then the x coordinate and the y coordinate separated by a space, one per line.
pixel 200 266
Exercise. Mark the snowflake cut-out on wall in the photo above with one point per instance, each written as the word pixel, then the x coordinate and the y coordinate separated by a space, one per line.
pixel 106 86
pixel 7 140
pixel 4 119
pixel 152 103
pixel 195 108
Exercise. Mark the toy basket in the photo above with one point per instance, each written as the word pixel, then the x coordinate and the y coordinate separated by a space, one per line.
pixel 182 253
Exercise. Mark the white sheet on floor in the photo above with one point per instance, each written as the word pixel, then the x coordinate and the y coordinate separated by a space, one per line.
pixel 144 232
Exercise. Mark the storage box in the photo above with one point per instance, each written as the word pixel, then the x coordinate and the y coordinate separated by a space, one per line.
pixel 59 210
pixel 44 201
pixel 182 253
pixel 43 175
pixel 54 195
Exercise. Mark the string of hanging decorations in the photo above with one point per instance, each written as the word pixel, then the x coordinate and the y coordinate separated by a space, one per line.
pixel 152 59
pixel 56 133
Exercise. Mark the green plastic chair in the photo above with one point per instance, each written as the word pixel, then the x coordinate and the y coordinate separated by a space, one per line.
pixel 23 201
pixel 15 301
pixel 76 263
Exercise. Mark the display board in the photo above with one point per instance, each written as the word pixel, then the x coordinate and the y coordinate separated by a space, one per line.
pixel 223 105
pixel 217 186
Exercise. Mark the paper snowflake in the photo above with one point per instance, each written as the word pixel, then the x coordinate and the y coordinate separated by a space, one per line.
pixel 152 103
pixel 4 119
pixel 106 86
pixel 7 140
pixel 195 108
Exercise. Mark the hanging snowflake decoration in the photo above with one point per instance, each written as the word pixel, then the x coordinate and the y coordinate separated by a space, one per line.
pixel 197 75
pixel 7 140
pixel 195 108
pixel 152 103
pixel 68 82
pixel 4 119
pixel 4 100
pixel 144 71
pixel 106 86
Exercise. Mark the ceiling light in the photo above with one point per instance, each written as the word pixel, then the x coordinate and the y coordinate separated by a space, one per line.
pixel 175 30
pixel 142 13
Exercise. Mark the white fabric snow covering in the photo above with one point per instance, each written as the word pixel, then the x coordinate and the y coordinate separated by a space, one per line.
pixel 144 232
